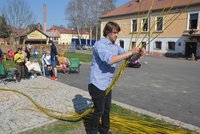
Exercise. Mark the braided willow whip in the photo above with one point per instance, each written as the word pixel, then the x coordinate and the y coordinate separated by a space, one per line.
pixel 119 123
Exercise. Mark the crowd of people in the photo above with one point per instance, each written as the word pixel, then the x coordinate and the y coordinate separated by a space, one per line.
pixel 49 59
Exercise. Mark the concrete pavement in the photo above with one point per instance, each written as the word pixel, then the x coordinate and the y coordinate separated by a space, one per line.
pixel 18 114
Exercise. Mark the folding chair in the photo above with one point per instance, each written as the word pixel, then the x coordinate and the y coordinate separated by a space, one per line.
pixel 6 75
pixel 74 65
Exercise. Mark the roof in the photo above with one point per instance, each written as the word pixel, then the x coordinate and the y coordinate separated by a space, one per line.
pixel 66 30
pixel 25 33
pixel 134 6
pixel 52 34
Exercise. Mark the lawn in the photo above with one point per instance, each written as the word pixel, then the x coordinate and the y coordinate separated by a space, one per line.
pixel 122 121
pixel 83 58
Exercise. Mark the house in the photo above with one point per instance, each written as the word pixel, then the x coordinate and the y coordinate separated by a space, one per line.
pixel 34 36
pixel 66 34
pixel 171 28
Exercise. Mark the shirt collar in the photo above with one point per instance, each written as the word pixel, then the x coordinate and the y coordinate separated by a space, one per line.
pixel 107 41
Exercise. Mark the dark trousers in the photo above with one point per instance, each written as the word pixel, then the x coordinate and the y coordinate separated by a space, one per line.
pixel 46 71
pixel 20 71
pixel 102 106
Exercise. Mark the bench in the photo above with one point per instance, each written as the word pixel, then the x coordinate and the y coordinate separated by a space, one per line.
pixel 62 60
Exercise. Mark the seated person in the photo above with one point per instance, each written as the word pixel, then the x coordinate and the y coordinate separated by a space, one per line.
pixel 46 61
pixel 11 54
pixel 64 63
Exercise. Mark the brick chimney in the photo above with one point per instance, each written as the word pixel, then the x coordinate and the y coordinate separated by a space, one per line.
pixel 44 18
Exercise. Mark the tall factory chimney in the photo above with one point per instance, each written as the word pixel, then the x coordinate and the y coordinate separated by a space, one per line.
pixel 44 18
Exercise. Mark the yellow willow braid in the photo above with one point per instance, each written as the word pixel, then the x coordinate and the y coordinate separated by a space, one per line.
pixel 119 123
pixel 173 19
pixel 145 19
pixel 131 125
pixel 127 125
pixel 130 47
pixel 49 112
pixel 162 13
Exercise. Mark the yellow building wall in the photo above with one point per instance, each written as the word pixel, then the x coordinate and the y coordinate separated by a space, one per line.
pixel 36 35
pixel 66 38
pixel 177 28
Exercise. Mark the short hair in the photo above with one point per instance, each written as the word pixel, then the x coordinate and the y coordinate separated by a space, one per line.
pixel 19 49
pixel 109 28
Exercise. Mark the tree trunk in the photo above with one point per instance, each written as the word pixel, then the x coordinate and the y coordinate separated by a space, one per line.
pixel 90 35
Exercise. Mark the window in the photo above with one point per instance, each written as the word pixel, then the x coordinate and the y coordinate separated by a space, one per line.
pixel 145 25
pixel 158 45
pixel 121 42
pixel 193 21
pixel 134 25
pixel 133 44
pixel 171 45
pixel 159 23
pixel 144 44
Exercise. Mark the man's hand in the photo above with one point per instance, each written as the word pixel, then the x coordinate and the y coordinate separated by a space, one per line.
pixel 137 53
pixel 142 51
pixel 135 50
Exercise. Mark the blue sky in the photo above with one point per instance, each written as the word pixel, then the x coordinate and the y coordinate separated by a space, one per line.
pixel 55 10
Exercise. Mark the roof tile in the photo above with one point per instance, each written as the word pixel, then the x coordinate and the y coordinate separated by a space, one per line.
pixel 134 6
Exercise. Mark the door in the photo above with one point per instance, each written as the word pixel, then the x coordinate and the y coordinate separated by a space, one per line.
pixel 190 48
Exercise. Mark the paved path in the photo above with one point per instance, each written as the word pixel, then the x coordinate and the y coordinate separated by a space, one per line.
pixel 17 113
pixel 165 86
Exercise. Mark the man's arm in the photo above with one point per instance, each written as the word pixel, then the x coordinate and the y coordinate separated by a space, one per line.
pixel 136 52
pixel 118 58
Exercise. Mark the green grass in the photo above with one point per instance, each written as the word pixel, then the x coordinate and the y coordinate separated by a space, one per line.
pixel 61 127
pixel 9 64
pixel 82 57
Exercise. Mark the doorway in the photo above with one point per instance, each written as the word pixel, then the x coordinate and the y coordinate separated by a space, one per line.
pixel 190 48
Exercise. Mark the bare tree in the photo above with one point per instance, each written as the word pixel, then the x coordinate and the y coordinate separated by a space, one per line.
pixel 18 13
pixel 84 14
pixel 4 28
pixel 75 15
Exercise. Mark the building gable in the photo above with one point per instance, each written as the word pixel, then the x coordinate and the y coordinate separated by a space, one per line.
pixel 36 34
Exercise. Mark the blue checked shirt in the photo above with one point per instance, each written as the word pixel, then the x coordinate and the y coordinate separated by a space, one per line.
pixel 102 72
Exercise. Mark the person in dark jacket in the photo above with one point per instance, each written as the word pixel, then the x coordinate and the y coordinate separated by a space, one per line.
pixel 28 55
pixel 54 56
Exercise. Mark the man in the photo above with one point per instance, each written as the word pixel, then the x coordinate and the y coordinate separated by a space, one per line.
pixel 105 54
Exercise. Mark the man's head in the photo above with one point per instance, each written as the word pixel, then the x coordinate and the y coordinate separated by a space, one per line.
pixel 111 31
